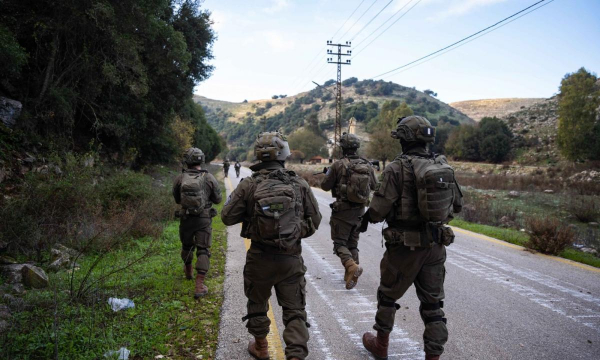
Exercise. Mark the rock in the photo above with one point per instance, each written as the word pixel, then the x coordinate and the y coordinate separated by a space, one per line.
pixel 505 221
pixel 7 260
pixel 593 224
pixel 9 111
pixel 4 326
pixel 4 312
pixel 13 273
pixel 63 257
pixel 34 277
pixel 88 162
pixel 589 250
pixel 514 194
pixel 549 191
pixel 18 288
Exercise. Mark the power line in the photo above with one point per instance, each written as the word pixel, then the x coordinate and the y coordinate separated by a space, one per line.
pixel 465 43
pixel 460 41
pixel 356 22
pixel 386 29
pixel 310 65
pixel 373 18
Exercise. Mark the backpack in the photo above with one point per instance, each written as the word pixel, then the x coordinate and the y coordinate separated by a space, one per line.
pixel 356 181
pixel 193 191
pixel 436 186
pixel 278 211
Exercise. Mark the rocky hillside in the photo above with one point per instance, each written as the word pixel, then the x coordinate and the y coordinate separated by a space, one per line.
pixel 239 122
pixel 478 109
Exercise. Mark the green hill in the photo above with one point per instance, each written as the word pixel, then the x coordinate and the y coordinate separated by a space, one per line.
pixel 239 123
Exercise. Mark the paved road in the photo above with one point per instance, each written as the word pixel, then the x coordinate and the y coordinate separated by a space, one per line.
pixel 501 302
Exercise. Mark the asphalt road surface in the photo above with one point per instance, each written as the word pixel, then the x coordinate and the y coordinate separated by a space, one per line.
pixel 501 302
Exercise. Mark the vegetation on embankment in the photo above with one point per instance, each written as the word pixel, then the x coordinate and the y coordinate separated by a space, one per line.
pixel 521 238
pixel 72 319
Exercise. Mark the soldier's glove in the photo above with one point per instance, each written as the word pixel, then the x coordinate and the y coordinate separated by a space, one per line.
pixel 364 222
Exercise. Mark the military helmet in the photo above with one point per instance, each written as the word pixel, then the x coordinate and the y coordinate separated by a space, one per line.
pixel 414 129
pixel 193 156
pixel 349 141
pixel 271 146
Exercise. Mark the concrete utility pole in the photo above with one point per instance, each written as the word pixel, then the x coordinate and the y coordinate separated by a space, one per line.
pixel 338 94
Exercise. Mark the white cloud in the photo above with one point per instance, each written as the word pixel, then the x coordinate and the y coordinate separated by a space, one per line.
pixel 276 6
pixel 277 42
pixel 460 7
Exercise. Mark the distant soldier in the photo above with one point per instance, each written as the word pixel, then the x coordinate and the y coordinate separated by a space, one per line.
pixel 350 180
pixel 237 167
pixel 277 209
pixel 226 165
pixel 196 190
pixel 417 198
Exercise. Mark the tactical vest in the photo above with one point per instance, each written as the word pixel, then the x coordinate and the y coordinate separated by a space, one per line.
pixel 278 211
pixel 355 185
pixel 426 201
pixel 194 197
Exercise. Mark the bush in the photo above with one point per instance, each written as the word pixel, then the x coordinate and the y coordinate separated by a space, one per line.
pixel 549 235
pixel 584 208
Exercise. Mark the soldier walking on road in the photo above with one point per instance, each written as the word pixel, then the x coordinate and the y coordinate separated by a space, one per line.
pixel 350 180
pixel 417 197
pixel 226 165
pixel 196 190
pixel 277 209
pixel 237 168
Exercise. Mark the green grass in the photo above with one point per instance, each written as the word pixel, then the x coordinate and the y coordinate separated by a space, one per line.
pixel 166 319
pixel 520 238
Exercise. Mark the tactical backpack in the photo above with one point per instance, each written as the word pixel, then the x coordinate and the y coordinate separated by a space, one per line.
pixel 194 198
pixel 356 178
pixel 436 186
pixel 278 211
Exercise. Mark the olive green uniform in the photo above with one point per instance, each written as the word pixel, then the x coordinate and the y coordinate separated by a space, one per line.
pixel 345 215
pixel 402 265
pixel 226 165
pixel 195 231
pixel 267 267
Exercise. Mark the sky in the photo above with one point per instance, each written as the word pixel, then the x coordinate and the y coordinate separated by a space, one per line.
pixel 273 47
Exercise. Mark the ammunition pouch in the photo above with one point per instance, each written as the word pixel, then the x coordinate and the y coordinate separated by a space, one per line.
pixel 199 212
pixel 213 212
pixel 421 236
pixel 447 235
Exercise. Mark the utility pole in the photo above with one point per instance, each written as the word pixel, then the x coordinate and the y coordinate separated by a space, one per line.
pixel 338 95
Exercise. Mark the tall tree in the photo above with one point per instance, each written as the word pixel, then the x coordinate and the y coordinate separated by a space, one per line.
pixel 381 145
pixel 578 122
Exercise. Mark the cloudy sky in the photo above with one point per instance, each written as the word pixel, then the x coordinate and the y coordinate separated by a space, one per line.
pixel 268 47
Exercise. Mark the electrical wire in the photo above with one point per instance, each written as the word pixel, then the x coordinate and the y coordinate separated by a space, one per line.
pixel 370 21
pixel 465 43
pixel 356 22
pixel 460 41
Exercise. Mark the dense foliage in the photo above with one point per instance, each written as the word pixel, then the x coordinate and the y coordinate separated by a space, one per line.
pixel 117 72
pixel 578 111
pixel 490 140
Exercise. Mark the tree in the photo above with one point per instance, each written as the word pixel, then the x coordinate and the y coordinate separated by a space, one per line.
pixel 329 82
pixel 275 97
pixel 430 93
pixel 306 142
pixel 382 146
pixel 349 81
pixel 495 148
pixel 578 123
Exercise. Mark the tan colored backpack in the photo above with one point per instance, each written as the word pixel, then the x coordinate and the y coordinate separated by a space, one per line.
pixel 193 191
pixel 356 178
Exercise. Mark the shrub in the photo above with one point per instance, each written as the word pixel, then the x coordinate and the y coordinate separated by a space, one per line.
pixel 549 235
pixel 584 208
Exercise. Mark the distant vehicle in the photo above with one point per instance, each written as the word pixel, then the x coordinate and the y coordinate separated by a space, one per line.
pixel 375 164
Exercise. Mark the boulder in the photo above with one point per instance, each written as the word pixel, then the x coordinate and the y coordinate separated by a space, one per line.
pixel 34 277
pixel 13 273
pixel 589 250
pixel 9 111
pixel 514 194
pixel 549 191
pixel 62 257
pixel 7 260
pixel 593 224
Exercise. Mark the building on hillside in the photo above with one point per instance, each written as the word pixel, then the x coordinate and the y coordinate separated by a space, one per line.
pixel 315 160
pixel 352 126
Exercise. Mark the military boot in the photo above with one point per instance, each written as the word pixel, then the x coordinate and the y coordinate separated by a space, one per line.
pixel 432 357
pixel 259 348
pixel 188 270
pixel 377 345
pixel 353 271
pixel 201 289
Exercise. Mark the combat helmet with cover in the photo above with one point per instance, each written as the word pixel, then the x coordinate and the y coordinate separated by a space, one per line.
pixel 414 129
pixel 193 156
pixel 349 141
pixel 271 146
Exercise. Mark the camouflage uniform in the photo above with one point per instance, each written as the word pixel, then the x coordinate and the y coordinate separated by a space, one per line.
pixel 195 231
pixel 402 265
pixel 226 165
pixel 345 216
pixel 268 266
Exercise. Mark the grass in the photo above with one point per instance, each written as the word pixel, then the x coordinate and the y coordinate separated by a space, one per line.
pixel 166 319
pixel 520 238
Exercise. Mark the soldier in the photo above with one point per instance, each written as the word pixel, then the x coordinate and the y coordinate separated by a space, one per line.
pixel 277 209
pixel 417 197
pixel 196 190
pixel 350 180
pixel 226 167
pixel 237 167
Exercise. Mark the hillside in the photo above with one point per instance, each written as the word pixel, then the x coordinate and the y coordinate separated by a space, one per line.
pixel 239 123
pixel 478 109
